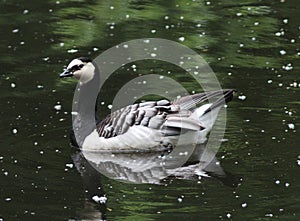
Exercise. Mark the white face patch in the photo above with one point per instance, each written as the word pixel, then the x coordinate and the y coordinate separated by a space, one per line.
pixel 86 73
pixel 74 62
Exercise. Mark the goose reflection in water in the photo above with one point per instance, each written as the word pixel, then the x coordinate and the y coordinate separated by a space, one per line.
pixel 154 167
pixel 143 168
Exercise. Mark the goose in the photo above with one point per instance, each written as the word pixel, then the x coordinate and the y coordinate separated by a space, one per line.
pixel 147 126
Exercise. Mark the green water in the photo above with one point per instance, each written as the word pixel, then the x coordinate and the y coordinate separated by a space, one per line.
pixel 253 46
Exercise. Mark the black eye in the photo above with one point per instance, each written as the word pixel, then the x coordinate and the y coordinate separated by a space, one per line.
pixel 77 67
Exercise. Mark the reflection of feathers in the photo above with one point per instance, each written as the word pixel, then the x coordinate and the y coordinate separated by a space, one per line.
pixel 154 167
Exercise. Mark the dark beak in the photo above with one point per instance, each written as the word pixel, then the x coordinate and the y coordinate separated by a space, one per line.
pixel 66 73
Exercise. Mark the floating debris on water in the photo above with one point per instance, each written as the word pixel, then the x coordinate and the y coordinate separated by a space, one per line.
pixel 69 165
pixel 242 97
pixel 57 107
pixel 287 67
pixel 244 205
pixel 72 51
pixel 228 215
pixel 291 126
pixel 101 199
pixel 15 30
pixel 282 52
pixel 181 39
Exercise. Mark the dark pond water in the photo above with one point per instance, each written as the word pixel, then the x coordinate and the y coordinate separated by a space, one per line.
pixel 251 45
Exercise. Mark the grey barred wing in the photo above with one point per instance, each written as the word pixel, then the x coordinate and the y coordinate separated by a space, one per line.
pixel 150 114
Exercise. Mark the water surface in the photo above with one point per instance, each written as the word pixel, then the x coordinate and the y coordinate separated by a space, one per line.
pixel 252 46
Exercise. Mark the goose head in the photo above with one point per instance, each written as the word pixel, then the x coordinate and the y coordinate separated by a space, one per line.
pixel 80 68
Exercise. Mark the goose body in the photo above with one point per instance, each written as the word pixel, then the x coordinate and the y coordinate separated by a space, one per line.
pixel 152 125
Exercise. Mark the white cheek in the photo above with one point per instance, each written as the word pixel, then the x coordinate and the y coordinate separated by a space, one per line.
pixel 84 75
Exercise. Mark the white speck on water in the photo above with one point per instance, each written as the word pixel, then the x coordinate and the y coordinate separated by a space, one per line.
pixel 228 215
pixel 242 97
pixel 269 215
pixel 291 126
pixel 35 143
pixel 61 44
pixel 183 153
pixel 239 14
pixel 95 49
pixel 294 84
pixel 282 52
pixel 244 205
pixel 256 23
pixel 280 84
pixel 5 173
pixel 292 40
pixel 181 39
pixel 57 2
pixel 287 67
pixel 285 21
pixel 153 55
pixel 241 45
pixel 15 30
pixel 69 165
pixel 166 17
pixel 101 199
pixel 269 81
pixel 277 182
pixel 15 131
pixel 298 162
pixel 153 31
pixel 25 11
pixel 109 106
pixel 127 16
pixel 57 107
pixel 71 51
pixel 125 46
pixel 8 199
pixel 179 199
pixel 278 34
pixel 287 184
pixel 12 85
pixel 253 38
pixel 111 7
